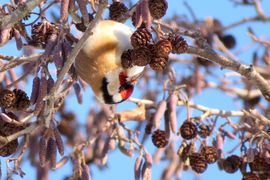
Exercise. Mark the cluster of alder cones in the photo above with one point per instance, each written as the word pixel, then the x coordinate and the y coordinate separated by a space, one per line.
pixel 188 131
pixel 198 161
pixel 156 54
pixel 11 102
pixel 157 8
pixel 145 51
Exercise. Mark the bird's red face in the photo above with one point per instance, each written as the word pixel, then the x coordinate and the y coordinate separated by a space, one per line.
pixel 118 85
pixel 126 88
pixel 116 91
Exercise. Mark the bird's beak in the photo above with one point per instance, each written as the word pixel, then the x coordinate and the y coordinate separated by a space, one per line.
pixel 134 79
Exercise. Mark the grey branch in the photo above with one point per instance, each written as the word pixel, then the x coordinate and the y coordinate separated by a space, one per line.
pixel 22 10
pixel 245 70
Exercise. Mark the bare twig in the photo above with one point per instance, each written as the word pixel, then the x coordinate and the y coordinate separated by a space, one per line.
pixel 245 70
pixel 16 61
pixel 22 10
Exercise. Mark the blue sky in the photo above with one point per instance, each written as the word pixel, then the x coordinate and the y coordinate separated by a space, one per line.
pixel 121 166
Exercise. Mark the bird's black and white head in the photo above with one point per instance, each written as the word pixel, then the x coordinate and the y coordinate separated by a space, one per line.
pixel 118 85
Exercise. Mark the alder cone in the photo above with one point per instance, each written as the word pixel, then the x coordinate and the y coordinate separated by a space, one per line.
pixel 188 130
pixel 157 8
pixel 229 41
pixel 250 176
pixel 126 60
pixel 210 154
pixel 22 100
pixel 7 98
pixel 42 31
pixel 160 139
pixel 163 48
pixel 141 37
pixel 9 148
pixel 198 162
pixel 159 63
pixel 141 56
pixel 265 175
pixel 259 164
pixel 231 164
pixel 204 131
pixel 179 45
pixel 117 10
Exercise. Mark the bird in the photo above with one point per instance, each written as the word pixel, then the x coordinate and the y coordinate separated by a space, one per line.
pixel 99 62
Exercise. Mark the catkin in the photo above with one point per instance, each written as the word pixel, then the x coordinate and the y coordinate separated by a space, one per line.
pixel 138 168
pixel 42 151
pixel 42 94
pixel 159 113
pixel 35 90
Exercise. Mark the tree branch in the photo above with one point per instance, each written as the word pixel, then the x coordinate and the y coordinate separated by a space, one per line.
pixel 245 70
pixel 22 10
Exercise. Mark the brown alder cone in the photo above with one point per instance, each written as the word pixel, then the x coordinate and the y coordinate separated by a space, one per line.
pixel 259 164
pixel 22 100
pixel 7 98
pixel 179 45
pixel 157 8
pixel 231 164
pixel 264 176
pixel 210 153
pixel 159 63
pixel 126 60
pixel 229 41
pixel 250 176
pixel 198 163
pixel 42 31
pixel 204 131
pixel 141 37
pixel 188 130
pixel 141 56
pixel 9 148
pixel 163 48
pixel 160 138
pixel 117 10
